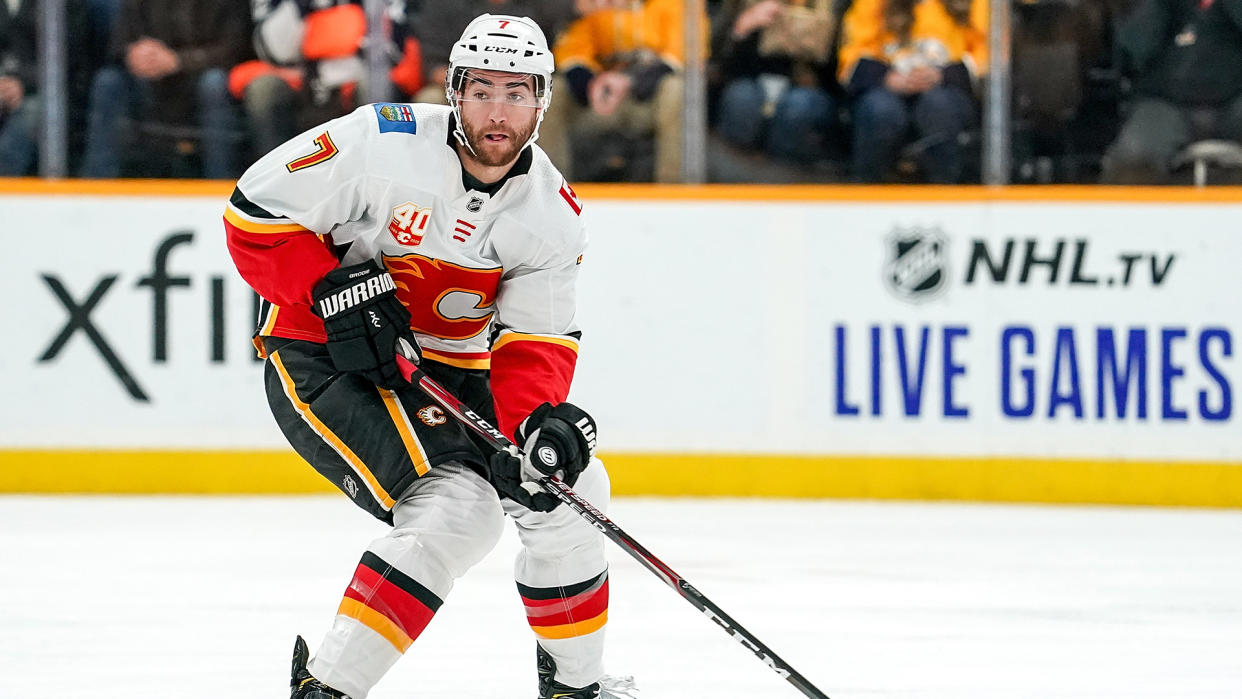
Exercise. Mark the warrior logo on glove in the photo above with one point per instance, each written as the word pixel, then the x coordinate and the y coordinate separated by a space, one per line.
pixel 587 426
pixel 561 438
pixel 356 295
pixel 365 322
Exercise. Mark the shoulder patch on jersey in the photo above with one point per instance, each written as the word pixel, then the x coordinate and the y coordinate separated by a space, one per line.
pixel 571 197
pixel 395 117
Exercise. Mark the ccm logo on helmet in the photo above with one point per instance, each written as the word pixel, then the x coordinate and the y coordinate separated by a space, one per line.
pixel 499 49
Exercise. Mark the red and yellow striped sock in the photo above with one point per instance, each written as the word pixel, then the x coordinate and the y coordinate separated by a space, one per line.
pixel 388 602
pixel 567 611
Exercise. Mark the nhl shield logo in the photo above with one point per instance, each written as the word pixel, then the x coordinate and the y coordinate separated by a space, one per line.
pixel 917 266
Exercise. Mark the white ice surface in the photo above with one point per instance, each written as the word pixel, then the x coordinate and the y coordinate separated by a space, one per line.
pixel 164 598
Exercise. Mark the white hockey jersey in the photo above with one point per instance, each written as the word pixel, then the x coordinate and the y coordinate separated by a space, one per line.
pixel 487 274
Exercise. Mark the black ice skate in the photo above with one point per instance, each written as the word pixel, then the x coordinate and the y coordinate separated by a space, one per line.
pixel 607 688
pixel 301 684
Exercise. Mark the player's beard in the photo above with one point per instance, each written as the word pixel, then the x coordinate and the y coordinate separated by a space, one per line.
pixel 487 153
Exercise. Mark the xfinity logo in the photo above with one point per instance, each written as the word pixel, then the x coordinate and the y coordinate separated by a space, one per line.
pixel 161 283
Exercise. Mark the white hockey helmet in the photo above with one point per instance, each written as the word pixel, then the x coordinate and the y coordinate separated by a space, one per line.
pixel 505 43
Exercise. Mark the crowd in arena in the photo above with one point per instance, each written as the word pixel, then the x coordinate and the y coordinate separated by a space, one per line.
pixel 868 91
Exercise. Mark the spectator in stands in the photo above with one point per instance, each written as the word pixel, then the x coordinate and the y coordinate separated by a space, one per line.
pixel 619 74
pixel 774 57
pixel 268 86
pixel 910 62
pixel 1186 63
pixel 172 62
pixel 310 65
pixel 439 24
pixel 21 108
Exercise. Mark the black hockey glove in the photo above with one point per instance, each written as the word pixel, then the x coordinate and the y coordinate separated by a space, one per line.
pixel 558 440
pixel 364 320
pixel 508 476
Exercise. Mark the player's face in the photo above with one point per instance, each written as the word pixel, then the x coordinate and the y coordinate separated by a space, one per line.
pixel 498 113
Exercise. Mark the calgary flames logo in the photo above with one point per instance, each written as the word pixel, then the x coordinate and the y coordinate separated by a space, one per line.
pixel 432 416
pixel 445 300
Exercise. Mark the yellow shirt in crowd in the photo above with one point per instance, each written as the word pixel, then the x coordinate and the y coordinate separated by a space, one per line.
pixel 935 39
pixel 614 38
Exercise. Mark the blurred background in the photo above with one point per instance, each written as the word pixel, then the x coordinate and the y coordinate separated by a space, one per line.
pixel 743 91
pixel 968 249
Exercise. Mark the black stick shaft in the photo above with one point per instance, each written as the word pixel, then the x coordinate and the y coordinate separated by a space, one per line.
pixel 600 521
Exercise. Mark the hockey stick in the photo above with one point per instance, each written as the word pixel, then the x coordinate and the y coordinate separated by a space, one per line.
pixel 600 521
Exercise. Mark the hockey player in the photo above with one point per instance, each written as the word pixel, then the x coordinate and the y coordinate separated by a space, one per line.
pixel 447 229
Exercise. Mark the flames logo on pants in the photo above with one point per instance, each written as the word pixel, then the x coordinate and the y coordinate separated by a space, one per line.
pixel 432 416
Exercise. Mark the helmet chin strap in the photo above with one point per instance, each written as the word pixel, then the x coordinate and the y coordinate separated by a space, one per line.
pixel 459 131
pixel 534 134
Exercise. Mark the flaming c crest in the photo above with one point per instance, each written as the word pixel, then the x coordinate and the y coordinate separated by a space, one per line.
pixel 445 300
